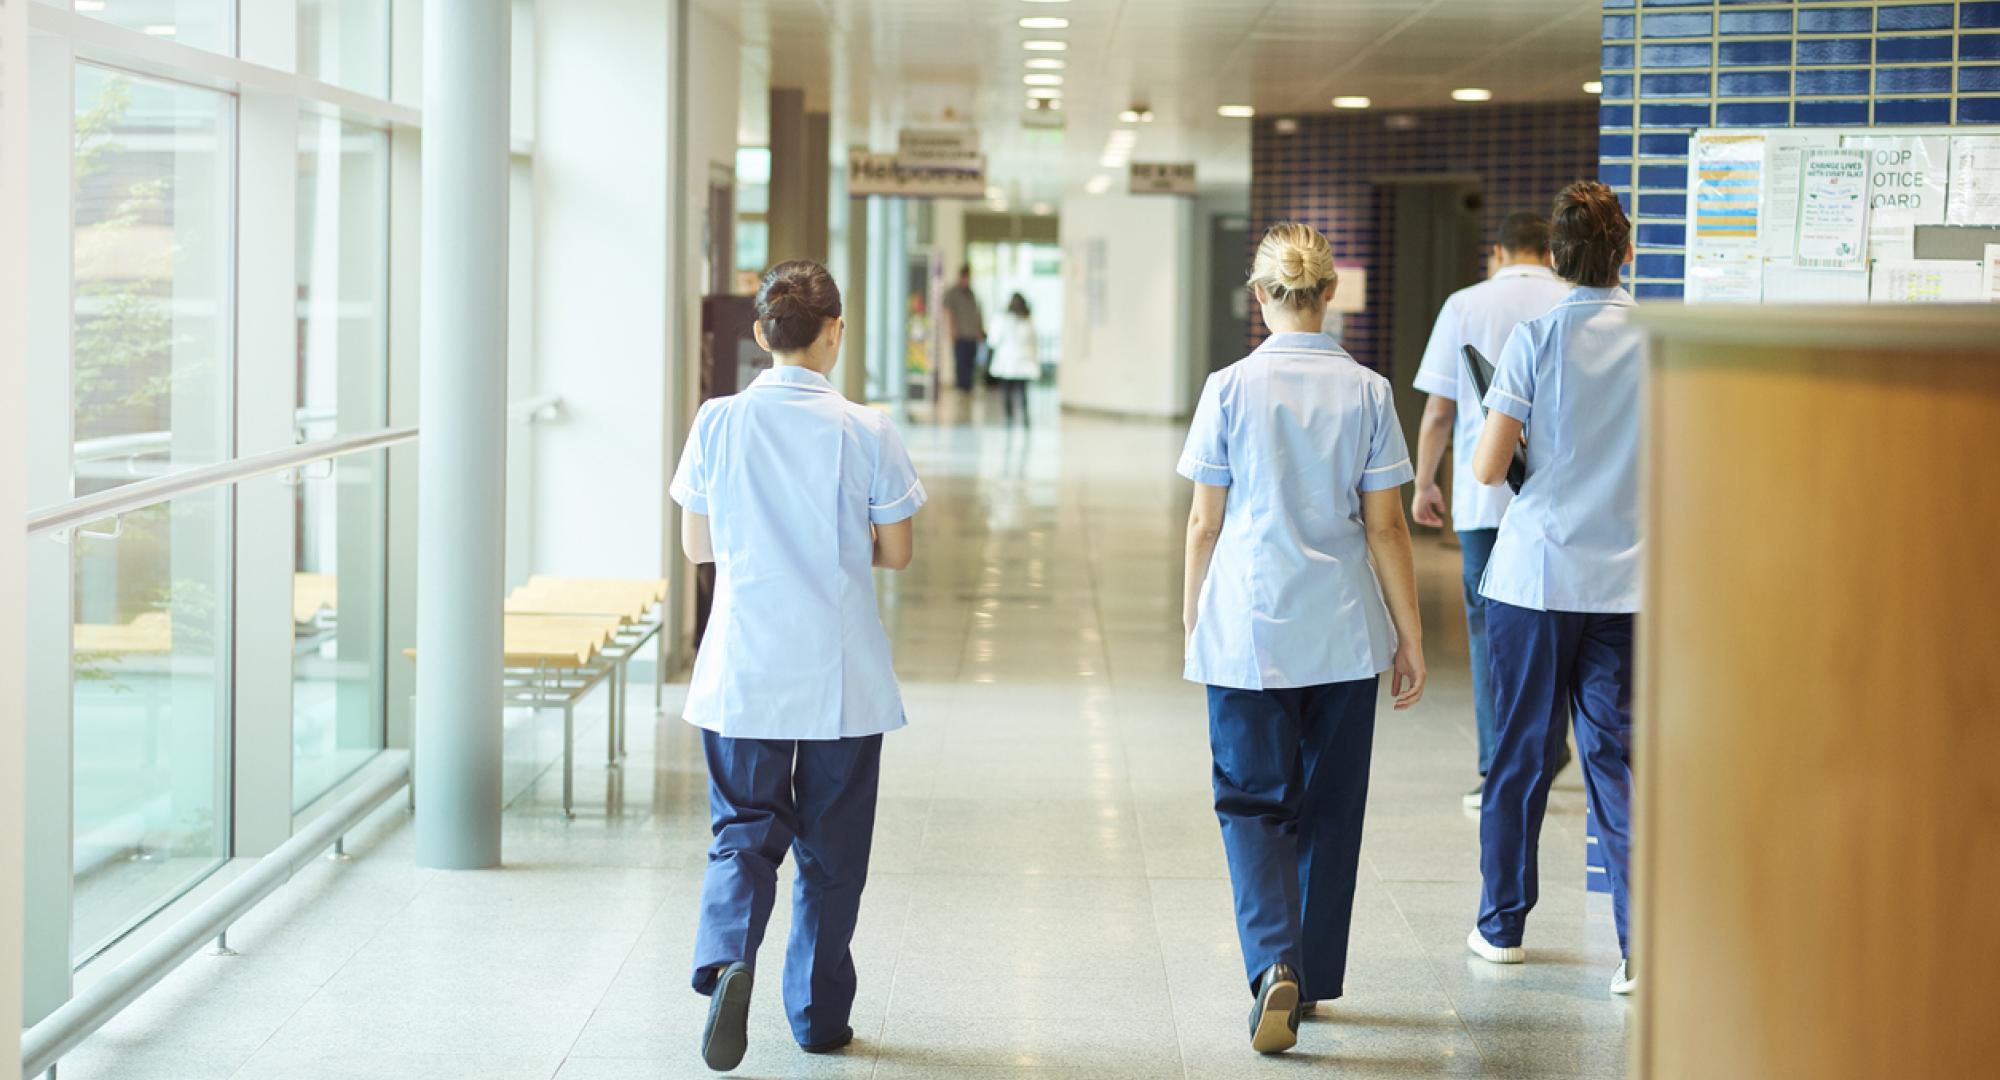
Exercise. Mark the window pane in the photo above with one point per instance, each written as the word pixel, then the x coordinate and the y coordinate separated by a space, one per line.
pixel 346 43
pixel 340 540
pixel 204 24
pixel 151 379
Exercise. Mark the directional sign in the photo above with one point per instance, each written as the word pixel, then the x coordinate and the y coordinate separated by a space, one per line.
pixel 1162 178
pixel 886 174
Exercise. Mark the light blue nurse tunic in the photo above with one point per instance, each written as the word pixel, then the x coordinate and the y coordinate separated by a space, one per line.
pixel 791 475
pixel 1570 539
pixel 1296 431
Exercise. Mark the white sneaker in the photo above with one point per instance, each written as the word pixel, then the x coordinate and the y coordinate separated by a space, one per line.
pixel 1474 798
pixel 1491 953
pixel 1624 982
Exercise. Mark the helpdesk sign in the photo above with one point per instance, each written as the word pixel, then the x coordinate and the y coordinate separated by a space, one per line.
pixel 1907 172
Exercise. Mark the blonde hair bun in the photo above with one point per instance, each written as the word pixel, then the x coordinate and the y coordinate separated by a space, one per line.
pixel 1294 265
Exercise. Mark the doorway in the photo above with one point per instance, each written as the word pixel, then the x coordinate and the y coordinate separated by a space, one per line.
pixel 1436 233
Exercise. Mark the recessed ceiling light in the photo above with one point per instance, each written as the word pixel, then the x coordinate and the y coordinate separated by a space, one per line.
pixel 1044 92
pixel 1236 112
pixel 1593 87
pixel 1044 22
pixel 1098 185
pixel 1046 63
pixel 1039 45
pixel 1129 116
pixel 1042 78
pixel 1472 93
pixel 1352 101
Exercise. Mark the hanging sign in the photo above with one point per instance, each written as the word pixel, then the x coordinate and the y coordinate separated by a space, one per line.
pixel 949 148
pixel 1833 210
pixel 886 174
pixel 1162 178
pixel 1907 172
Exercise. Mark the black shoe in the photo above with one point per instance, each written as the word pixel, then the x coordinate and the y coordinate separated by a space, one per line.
pixel 726 1037
pixel 1274 1020
pixel 838 1042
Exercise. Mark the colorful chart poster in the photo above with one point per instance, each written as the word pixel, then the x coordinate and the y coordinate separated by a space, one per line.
pixel 1974 198
pixel 1925 281
pixel 1784 156
pixel 1907 172
pixel 1725 277
pixel 1728 182
pixel 1833 210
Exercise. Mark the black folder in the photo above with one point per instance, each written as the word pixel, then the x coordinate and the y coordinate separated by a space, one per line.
pixel 1481 370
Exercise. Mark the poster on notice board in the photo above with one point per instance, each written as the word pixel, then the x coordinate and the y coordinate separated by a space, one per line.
pixel 1833 210
pixel 1975 181
pixel 1906 172
pixel 1728 176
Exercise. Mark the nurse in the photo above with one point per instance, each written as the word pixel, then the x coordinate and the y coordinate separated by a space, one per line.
pixel 795 494
pixel 1481 316
pixel 1297 459
pixel 1563 584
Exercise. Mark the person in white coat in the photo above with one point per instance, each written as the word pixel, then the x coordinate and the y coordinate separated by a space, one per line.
pixel 1017 360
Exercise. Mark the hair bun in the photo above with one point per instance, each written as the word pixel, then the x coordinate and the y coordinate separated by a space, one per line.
pixel 1303 267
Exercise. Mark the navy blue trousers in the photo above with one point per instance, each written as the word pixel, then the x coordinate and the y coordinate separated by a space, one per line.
pixel 816 798
pixel 1475 549
pixel 1291 781
pixel 1547 664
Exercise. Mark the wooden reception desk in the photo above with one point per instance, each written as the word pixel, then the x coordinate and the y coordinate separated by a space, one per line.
pixel 1818 848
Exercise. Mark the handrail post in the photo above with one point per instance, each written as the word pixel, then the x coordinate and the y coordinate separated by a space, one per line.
pixel 462 405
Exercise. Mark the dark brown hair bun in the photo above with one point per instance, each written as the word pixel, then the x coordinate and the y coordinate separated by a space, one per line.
pixel 794 302
pixel 1589 234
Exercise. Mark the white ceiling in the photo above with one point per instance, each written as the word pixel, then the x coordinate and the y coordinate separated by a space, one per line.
pixel 924 62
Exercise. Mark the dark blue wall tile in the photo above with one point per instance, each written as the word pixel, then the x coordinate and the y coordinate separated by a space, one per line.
pixel 1912 50
pixel 1824 113
pixel 1676 25
pixel 1658 290
pixel 1662 235
pixel 1756 22
pixel 1985 15
pixel 1614 116
pixel 1614 174
pixel 1610 4
pixel 1669 56
pixel 1754 83
pixel 1662 144
pixel 1913 111
pixel 1753 114
pixel 1673 116
pixel 1618 27
pixel 1652 205
pixel 1976 80
pixel 1979 47
pixel 1835 51
pixel 1754 53
pixel 1828 83
pixel 1615 57
pixel 1663 177
pixel 1618 87
pixel 1914 17
pixel 1926 80
pixel 1658 266
pixel 1614 146
pixel 1979 110
pixel 1689 85
pixel 1835 21
pixel 1624 202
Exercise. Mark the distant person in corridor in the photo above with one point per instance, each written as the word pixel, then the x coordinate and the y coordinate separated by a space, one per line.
pixel 1017 359
pixel 1563 584
pixel 968 329
pixel 1295 541
pixel 1522 287
pixel 795 493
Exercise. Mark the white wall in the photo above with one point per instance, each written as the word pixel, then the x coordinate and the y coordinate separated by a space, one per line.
pixel 601 250
pixel 1129 272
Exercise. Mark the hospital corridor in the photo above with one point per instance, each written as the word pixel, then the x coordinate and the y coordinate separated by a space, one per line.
pixel 1047 899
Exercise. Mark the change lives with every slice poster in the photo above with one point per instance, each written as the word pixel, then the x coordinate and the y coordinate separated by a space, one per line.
pixel 1833 210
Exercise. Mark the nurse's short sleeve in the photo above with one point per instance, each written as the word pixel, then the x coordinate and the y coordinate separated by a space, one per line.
pixel 1205 458
pixel 895 494
pixel 1443 357
pixel 1513 389
pixel 690 485
pixel 1388 455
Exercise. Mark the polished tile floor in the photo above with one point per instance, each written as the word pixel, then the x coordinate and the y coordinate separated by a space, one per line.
pixel 1048 897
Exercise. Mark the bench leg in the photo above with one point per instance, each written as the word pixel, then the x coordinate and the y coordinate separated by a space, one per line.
pixel 611 717
pixel 569 760
pixel 660 663
pixel 624 706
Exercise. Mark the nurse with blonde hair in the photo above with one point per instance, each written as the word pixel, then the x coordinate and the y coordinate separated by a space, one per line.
pixel 1300 591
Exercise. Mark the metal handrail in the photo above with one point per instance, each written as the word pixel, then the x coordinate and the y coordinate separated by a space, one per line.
pixel 75 1020
pixel 159 489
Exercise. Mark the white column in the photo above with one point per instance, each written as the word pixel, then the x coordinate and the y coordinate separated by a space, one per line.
pixel 13 507
pixel 461 469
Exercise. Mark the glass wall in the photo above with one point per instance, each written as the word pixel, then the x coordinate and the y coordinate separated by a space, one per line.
pixel 204 24
pixel 150 383
pixel 346 43
pixel 340 508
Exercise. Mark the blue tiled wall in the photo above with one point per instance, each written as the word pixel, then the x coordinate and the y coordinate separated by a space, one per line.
pixel 1671 66
pixel 1326 173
